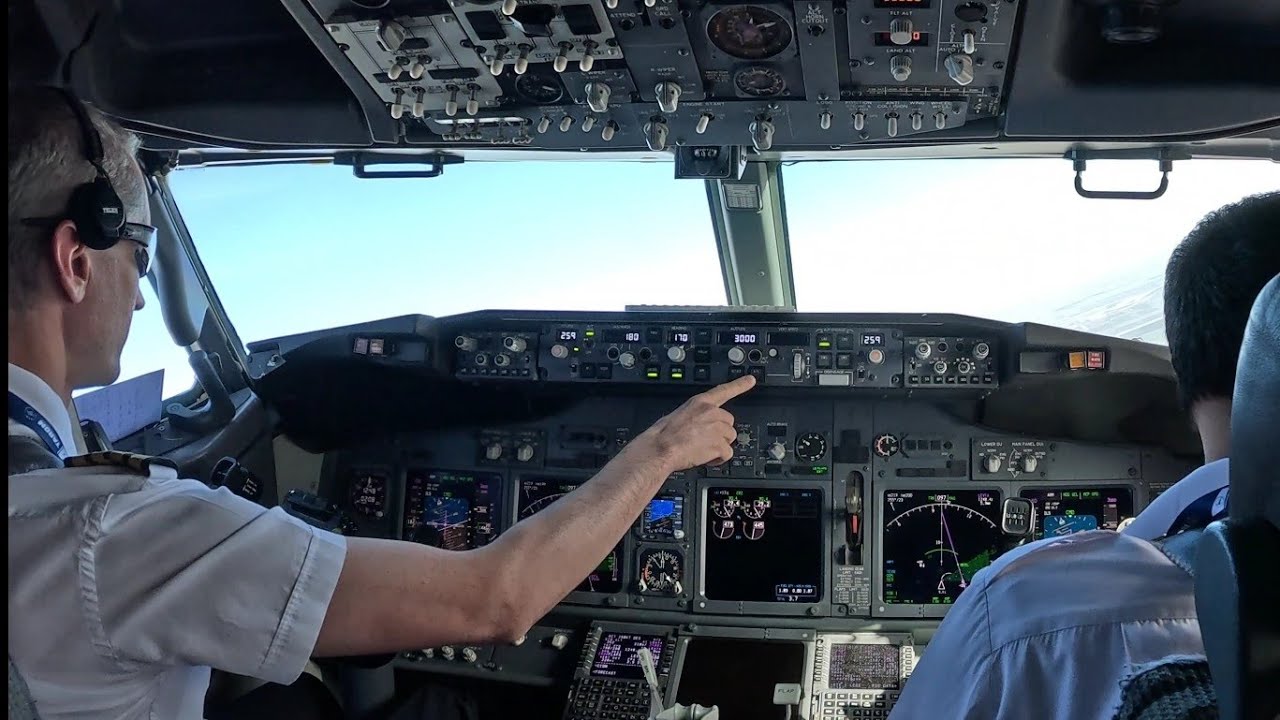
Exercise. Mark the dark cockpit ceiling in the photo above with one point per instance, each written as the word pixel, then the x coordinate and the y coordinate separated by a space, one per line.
pixel 809 78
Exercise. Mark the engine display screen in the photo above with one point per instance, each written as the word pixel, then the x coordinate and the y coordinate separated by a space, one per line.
pixel 618 655
pixel 1065 511
pixel 935 541
pixel 537 494
pixel 864 667
pixel 451 510
pixel 763 545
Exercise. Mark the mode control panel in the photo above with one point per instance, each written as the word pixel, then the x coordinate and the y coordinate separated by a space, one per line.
pixel 875 357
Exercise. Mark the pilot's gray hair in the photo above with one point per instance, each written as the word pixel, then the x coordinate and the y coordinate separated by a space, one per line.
pixel 46 162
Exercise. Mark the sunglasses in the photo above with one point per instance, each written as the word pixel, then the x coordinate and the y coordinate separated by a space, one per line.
pixel 143 235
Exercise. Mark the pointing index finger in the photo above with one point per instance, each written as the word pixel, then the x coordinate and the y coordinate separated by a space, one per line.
pixel 722 394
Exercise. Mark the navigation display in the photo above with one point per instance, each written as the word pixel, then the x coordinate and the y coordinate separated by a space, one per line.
pixel 763 545
pixel 864 667
pixel 934 542
pixel 451 510
pixel 1065 511
pixel 537 494
pixel 618 655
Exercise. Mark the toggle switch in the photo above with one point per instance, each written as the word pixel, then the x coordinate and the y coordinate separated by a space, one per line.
pixel 891 125
pixel 703 121
pixel 395 70
pixel 508 7
pixel 762 134
pixel 610 128
pixel 544 125
pixel 419 107
pixel 917 121
pixel 859 120
pixel 655 135
pixel 561 63
pixel 940 120
pixel 969 41
pixel 588 123
pixel 473 105
pixel 397 108
pixel 824 120
pixel 522 61
pixel 417 68
pixel 451 105
pixel 499 60
pixel 668 96
pixel 598 96
pixel 566 122
pixel 588 56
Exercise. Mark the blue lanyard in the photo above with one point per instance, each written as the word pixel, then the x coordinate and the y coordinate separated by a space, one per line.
pixel 1208 508
pixel 22 413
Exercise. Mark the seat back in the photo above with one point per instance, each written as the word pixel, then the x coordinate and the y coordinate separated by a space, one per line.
pixel 1237 564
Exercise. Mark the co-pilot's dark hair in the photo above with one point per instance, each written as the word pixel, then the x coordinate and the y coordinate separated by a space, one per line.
pixel 1210 285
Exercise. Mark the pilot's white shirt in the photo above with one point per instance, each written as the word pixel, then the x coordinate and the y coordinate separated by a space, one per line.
pixel 1051 629
pixel 125 589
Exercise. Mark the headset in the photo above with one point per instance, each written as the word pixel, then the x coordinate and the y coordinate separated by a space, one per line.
pixel 95 207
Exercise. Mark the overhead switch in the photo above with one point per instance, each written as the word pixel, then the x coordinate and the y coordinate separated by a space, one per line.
pixel 668 96
pixel 901 31
pixel 900 67
pixel 959 68
pixel 762 135
pixel 598 96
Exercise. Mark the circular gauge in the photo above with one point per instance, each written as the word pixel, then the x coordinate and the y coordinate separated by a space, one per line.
pixel 369 494
pixel 759 82
pixel 749 32
pixel 724 529
pixel 754 530
pixel 660 572
pixel 810 447
pixel 756 508
pixel 725 507
pixel 539 88
pixel 886 445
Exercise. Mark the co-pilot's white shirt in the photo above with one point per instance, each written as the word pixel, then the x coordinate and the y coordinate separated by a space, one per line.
pixel 1050 629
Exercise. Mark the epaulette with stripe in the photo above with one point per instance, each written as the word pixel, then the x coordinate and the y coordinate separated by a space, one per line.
pixel 112 458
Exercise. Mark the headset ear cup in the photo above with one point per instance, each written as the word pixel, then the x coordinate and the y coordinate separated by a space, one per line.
pixel 108 209
pixel 98 214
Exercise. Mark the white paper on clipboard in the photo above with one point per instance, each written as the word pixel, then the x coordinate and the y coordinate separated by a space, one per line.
pixel 125 407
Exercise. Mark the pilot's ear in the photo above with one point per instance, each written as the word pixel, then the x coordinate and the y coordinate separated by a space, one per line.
pixel 72 266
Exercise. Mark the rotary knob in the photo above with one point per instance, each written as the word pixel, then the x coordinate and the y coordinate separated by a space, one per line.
pixel 559 641
pixel 675 353
pixel 959 68
pixel 1030 463
pixel 559 352
pixel 493 451
pixel 627 360
pixel 524 453
pixel 737 355
pixel 469 655
pixel 446 652
pixel 900 67
pixel 940 367
pixel 778 451
pixel 901 31
pixel 744 437
pixel 981 351
pixel 991 463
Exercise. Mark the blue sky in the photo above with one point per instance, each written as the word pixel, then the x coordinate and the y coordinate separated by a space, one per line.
pixel 296 248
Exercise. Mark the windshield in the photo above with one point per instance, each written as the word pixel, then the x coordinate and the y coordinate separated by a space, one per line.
pixel 1002 239
pixel 295 248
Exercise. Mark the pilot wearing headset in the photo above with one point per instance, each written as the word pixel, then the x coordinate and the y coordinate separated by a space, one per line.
pixel 1051 629
pixel 127 583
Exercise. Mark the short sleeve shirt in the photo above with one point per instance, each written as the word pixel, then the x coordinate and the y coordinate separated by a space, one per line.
pixel 126 587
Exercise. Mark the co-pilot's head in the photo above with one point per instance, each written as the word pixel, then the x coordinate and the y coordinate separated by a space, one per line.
pixel 74 262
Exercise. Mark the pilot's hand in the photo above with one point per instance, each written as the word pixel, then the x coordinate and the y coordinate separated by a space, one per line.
pixel 699 432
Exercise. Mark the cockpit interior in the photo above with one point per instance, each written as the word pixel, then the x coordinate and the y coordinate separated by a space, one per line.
pixel 892 448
